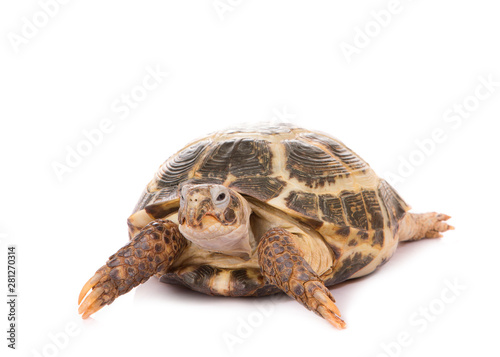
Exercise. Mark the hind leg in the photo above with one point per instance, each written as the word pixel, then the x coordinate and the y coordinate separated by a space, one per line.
pixel 416 226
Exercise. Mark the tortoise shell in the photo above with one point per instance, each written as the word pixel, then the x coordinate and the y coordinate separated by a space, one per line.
pixel 313 178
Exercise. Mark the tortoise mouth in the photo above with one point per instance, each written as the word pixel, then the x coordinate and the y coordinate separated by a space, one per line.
pixel 212 235
pixel 208 229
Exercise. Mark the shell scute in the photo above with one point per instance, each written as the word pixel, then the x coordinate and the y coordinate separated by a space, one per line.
pixel 331 209
pixel 251 158
pixel 311 165
pixel 238 157
pixel 373 209
pixel 304 203
pixel 262 188
pixel 396 207
pixel 176 169
pixel 352 161
pixel 354 209
pixel 349 266
pixel 217 159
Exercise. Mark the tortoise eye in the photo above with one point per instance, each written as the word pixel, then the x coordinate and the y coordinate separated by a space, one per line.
pixel 221 197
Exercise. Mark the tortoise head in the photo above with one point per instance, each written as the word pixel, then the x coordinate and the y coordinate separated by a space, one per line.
pixel 215 218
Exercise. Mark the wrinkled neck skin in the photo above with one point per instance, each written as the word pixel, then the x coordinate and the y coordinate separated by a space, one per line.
pixel 240 242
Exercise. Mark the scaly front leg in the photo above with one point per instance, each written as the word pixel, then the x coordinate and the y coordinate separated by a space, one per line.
pixel 282 264
pixel 153 250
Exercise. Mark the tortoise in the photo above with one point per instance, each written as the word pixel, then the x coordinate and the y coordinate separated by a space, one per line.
pixel 259 210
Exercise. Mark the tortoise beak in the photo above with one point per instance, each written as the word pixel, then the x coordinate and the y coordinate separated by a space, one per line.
pixel 193 212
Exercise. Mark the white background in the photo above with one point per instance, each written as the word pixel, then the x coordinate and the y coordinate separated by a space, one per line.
pixel 256 60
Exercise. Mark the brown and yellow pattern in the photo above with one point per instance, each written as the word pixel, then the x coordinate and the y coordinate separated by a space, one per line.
pixel 315 203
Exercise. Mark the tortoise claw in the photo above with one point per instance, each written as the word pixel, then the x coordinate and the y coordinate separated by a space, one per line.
pixel 89 285
pixel 331 318
pixel 438 225
pixel 327 301
pixel 323 303
pixel 92 309
pixel 89 301
pixel 103 293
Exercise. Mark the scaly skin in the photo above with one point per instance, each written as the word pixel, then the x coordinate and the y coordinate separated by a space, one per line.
pixel 153 250
pixel 416 226
pixel 282 265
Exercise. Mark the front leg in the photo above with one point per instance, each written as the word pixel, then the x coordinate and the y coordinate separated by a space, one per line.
pixel 153 250
pixel 282 265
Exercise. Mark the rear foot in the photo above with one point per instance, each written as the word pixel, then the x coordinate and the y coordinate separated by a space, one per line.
pixel 416 226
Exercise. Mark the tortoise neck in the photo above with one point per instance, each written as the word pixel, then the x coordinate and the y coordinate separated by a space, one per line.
pixel 238 241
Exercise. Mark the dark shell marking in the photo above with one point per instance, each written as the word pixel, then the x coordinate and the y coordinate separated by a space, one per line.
pixel 331 209
pixel 250 161
pixel 160 210
pixel 201 277
pixel 239 157
pixel 395 205
pixel 375 215
pixel 378 238
pixel 242 282
pixel 262 188
pixel 361 210
pixel 340 151
pixel 354 209
pixel 312 159
pixel 304 203
pixel 176 169
pixel 348 267
pixel 311 165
